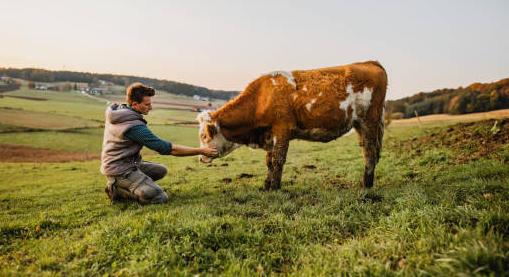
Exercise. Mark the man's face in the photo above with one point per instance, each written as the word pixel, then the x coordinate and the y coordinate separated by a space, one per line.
pixel 144 107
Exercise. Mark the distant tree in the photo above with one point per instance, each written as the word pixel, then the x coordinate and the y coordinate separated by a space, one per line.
pixel 31 85
pixel 457 105
pixel 397 107
pixel 75 86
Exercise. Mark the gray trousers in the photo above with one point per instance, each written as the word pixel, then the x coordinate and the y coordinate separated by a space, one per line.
pixel 138 185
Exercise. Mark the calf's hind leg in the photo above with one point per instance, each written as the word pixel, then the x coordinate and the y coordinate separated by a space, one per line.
pixel 370 139
pixel 270 169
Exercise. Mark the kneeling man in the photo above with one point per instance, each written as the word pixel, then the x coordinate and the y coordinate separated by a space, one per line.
pixel 125 133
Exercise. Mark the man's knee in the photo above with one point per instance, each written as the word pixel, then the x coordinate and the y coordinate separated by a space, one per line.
pixel 154 170
pixel 160 172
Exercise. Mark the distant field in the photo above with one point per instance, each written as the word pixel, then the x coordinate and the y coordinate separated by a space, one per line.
pixel 167 100
pixel 50 95
pixel 77 105
pixel 445 119
pixel 40 120
pixel 68 107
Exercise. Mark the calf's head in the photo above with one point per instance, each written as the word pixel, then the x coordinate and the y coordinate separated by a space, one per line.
pixel 211 136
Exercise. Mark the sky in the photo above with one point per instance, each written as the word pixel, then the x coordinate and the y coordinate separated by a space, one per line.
pixel 424 45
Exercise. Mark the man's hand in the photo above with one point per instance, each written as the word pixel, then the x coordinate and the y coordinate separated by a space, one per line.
pixel 209 152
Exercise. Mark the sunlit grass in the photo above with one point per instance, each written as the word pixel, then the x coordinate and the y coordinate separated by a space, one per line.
pixel 425 216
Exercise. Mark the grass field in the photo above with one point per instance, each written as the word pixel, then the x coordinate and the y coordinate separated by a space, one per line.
pixel 40 120
pixel 90 139
pixel 440 206
pixel 75 104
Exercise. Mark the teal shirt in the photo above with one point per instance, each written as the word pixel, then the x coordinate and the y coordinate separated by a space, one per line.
pixel 142 135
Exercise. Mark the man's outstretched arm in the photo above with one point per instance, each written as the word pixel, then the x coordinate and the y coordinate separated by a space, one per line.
pixel 180 150
pixel 144 136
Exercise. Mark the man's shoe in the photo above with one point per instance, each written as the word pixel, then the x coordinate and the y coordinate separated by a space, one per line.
pixel 113 194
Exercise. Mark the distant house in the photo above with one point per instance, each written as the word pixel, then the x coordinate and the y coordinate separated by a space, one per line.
pixel 39 86
pixel 197 97
pixel 98 91
pixel 105 83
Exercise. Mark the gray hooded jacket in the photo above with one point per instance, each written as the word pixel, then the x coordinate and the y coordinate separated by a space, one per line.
pixel 120 155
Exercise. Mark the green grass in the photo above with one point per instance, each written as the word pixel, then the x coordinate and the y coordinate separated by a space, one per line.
pixel 88 139
pixel 425 216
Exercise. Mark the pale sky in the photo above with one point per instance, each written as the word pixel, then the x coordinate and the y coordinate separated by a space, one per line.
pixel 424 45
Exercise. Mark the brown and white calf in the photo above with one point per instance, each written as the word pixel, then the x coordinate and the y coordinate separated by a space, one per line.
pixel 316 105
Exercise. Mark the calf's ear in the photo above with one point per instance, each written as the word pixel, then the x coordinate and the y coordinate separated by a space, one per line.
pixel 211 131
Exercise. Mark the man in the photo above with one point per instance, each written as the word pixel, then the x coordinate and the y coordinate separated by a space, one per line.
pixel 125 133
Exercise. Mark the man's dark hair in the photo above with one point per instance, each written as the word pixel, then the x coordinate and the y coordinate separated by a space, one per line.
pixel 136 92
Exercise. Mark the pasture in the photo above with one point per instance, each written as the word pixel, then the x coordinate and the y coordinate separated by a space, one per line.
pixel 439 206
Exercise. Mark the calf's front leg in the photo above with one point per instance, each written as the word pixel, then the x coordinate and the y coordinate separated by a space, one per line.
pixel 279 152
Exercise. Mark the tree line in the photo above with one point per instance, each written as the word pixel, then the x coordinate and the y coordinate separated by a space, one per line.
pixel 477 97
pixel 42 75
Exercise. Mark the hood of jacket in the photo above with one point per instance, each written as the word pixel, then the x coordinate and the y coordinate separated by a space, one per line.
pixel 119 113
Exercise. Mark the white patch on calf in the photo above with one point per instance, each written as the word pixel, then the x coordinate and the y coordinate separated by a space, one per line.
pixel 364 99
pixel 320 94
pixel 273 81
pixel 305 88
pixel 203 117
pixel 349 133
pixel 308 105
pixel 275 140
pixel 294 96
pixel 359 101
pixel 288 75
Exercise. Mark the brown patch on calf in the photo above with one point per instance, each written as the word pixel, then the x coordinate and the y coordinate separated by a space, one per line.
pixel 211 131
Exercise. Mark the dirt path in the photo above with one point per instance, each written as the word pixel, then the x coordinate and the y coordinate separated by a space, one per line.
pixel 18 154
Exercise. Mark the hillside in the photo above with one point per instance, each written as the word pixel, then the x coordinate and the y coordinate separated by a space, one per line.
pixel 477 97
pixel 439 206
pixel 42 75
